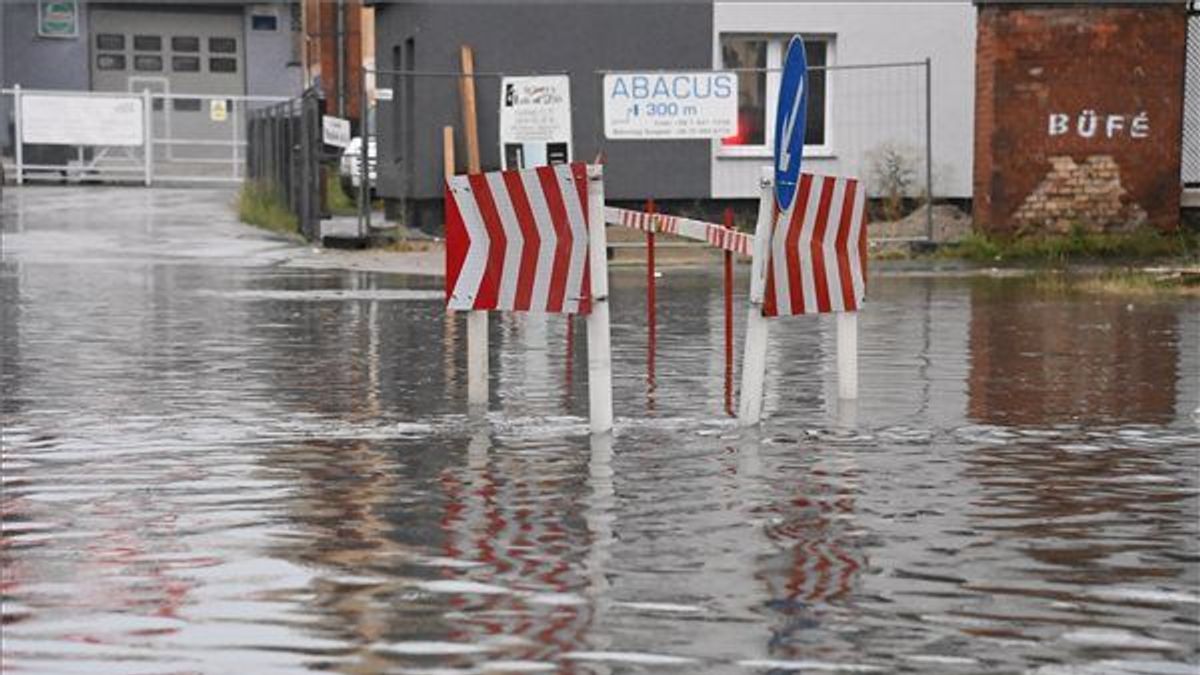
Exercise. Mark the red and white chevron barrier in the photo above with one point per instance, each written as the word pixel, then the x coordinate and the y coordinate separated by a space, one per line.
pixel 521 241
pixel 710 233
pixel 810 259
pixel 518 240
pixel 817 260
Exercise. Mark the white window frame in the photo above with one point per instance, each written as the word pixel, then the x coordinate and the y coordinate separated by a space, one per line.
pixel 775 46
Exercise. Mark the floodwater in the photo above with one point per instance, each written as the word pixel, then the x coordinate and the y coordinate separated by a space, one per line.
pixel 217 462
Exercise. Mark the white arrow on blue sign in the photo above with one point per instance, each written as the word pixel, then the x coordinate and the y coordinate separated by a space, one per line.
pixel 790 122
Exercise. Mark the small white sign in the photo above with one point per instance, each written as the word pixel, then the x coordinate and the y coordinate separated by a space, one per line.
pixel 82 120
pixel 218 111
pixel 670 105
pixel 383 94
pixel 535 121
pixel 335 131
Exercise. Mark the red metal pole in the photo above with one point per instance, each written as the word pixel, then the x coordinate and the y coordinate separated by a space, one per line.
pixel 650 294
pixel 651 311
pixel 729 318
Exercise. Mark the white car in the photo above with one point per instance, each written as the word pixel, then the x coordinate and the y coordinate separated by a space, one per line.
pixel 350 166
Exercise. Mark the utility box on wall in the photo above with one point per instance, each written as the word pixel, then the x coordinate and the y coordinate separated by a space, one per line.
pixel 1078 120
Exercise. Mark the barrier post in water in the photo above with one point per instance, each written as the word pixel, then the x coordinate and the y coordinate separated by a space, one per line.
pixel 847 355
pixel 599 338
pixel 754 358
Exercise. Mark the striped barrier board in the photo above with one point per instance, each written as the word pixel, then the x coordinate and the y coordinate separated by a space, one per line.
pixel 714 235
pixel 518 240
pixel 817 262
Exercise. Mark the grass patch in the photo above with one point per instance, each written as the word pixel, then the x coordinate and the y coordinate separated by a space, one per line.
pixel 1078 246
pixel 1121 282
pixel 260 205
pixel 409 245
pixel 340 203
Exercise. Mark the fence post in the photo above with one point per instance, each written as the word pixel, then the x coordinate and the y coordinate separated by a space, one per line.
pixel 17 140
pixel 599 345
pixel 364 189
pixel 928 149
pixel 234 148
pixel 148 135
pixel 754 359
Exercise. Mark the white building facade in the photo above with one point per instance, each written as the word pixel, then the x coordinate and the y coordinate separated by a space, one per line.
pixel 868 122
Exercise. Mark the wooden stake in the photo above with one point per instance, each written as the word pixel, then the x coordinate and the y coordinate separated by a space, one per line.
pixel 447 151
pixel 466 87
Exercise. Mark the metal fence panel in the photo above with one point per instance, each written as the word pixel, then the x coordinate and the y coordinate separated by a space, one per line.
pixel 1191 104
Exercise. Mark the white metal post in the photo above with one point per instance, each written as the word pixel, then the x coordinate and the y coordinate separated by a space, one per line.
pixel 477 359
pixel 234 127
pixel 17 141
pixel 754 359
pixel 599 343
pixel 148 135
pixel 847 355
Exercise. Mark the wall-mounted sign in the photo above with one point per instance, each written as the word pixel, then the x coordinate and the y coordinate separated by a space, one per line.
pixel 535 121
pixel 383 94
pixel 58 18
pixel 335 131
pixel 1090 124
pixel 81 120
pixel 670 105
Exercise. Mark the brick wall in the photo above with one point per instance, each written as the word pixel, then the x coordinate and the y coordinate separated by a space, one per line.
pixel 1078 117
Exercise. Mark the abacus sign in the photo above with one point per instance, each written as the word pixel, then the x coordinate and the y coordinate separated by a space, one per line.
pixel 676 105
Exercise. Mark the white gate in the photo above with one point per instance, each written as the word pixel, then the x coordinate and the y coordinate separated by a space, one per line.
pixel 149 137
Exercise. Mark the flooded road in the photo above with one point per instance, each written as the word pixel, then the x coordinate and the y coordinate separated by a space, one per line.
pixel 217 462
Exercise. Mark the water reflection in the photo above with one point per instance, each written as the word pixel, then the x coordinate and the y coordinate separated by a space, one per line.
pixel 1039 357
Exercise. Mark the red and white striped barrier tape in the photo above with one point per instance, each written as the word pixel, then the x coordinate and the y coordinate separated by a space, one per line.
pixel 710 233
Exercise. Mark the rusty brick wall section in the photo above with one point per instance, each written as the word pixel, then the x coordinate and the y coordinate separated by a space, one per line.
pixel 1079 114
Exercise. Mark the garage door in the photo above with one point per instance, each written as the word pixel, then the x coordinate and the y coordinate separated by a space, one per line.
pixel 176 52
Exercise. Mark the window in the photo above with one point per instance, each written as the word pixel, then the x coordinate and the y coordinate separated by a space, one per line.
pixel 110 41
pixel 263 22
pixel 222 65
pixel 183 43
pixel 222 45
pixel 147 62
pixel 110 62
pixel 757 92
pixel 147 43
pixel 186 104
pixel 185 64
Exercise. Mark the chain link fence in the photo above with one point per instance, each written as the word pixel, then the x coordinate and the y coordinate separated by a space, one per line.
pixel 284 152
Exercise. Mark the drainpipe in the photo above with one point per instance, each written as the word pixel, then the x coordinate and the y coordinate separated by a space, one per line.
pixel 341 57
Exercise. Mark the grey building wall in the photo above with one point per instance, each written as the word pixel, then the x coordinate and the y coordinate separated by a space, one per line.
pixel 37 62
pixel 273 64
pixel 576 37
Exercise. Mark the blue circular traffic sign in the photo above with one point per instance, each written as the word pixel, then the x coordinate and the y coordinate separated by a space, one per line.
pixel 790 122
